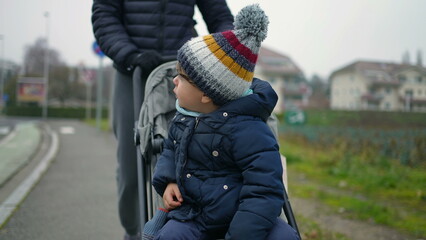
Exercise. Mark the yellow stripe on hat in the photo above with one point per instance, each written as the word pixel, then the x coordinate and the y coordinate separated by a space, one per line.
pixel 236 68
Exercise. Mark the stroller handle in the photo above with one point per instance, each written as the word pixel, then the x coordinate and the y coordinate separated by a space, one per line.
pixel 168 58
pixel 139 86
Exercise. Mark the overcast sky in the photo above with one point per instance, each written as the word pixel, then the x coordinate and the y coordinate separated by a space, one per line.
pixel 319 35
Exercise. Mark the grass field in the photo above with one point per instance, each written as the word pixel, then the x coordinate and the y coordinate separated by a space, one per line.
pixel 375 173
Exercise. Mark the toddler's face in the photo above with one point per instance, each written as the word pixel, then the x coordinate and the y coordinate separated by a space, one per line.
pixel 188 94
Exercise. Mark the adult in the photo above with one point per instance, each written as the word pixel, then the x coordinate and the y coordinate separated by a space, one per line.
pixel 138 33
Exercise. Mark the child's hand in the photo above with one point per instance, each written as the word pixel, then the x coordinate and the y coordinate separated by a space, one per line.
pixel 172 198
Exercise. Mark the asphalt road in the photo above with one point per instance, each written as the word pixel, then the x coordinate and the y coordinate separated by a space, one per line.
pixel 76 197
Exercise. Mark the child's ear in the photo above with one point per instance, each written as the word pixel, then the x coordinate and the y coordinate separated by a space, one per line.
pixel 205 99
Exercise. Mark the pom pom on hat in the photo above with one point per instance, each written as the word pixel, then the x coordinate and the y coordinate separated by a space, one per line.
pixel 222 64
pixel 252 21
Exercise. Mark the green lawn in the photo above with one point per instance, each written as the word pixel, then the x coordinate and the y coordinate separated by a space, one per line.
pixel 381 191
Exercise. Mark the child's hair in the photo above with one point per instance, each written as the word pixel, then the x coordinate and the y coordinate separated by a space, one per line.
pixel 222 64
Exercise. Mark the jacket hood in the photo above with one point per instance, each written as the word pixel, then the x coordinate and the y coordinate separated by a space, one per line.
pixel 260 104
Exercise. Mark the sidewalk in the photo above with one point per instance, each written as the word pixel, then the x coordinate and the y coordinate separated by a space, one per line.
pixel 76 196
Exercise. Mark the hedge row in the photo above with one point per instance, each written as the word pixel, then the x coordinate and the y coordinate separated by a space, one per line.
pixel 369 119
pixel 52 112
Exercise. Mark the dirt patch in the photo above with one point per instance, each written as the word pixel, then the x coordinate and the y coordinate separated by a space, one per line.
pixel 355 230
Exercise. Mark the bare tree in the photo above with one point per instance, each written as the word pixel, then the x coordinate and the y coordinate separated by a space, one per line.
pixel 34 58
pixel 319 98
pixel 60 85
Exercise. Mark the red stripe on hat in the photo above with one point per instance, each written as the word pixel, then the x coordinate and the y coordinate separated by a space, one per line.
pixel 241 48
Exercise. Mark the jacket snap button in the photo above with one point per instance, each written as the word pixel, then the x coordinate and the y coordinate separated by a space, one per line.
pixel 215 153
pixel 225 187
pixel 182 119
pixel 225 114
pixel 174 141
pixel 188 175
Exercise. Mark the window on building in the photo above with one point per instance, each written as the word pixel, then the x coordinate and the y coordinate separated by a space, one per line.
pixel 402 78
pixel 287 79
pixel 277 61
pixel 388 91
pixel 387 106
pixel 419 92
pixel 419 79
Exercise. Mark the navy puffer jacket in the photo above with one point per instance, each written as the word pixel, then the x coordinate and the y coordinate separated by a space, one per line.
pixel 227 166
pixel 124 28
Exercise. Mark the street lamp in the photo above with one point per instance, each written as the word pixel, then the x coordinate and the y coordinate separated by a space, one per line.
pixel 3 69
pixel 46 68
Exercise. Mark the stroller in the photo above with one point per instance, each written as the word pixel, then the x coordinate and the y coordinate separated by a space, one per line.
pixel 151 128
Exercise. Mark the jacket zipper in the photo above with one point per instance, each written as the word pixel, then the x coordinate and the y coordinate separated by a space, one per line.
pixel 197 120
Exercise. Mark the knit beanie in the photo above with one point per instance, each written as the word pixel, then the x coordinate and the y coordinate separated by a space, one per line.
pixel 222 64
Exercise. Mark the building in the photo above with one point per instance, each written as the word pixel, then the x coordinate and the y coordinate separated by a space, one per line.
pixel 368 85
pixel 286 78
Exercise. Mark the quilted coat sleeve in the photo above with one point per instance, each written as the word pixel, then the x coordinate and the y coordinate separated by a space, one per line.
pixel 261 198
pixel 216 14
pixel 165 169
pixel 110 32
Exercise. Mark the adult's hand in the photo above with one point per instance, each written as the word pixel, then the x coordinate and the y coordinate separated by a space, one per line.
pixel 147 60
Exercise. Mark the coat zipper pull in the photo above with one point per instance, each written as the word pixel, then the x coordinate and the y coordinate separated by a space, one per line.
pixel 197 120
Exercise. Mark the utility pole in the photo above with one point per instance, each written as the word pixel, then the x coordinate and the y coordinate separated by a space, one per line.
pixel 3 70
pixel 99 85
pixel 99 91
pixel 46 69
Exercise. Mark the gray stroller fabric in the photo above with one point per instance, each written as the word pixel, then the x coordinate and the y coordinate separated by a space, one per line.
pixel 158 105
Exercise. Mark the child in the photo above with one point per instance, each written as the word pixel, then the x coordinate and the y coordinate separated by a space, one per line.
pixel 220 173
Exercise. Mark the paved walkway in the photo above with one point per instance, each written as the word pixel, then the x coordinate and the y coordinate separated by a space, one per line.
pixel 76 196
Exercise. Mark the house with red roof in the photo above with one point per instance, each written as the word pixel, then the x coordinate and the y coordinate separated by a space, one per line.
pixel 286 78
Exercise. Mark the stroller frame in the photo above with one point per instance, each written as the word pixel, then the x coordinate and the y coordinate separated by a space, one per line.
pixel 148 138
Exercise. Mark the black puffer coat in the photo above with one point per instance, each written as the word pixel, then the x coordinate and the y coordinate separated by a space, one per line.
pixel 124 28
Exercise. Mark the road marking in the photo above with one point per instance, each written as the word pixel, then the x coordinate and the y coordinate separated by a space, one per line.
pixel 4 130
pixel 19 194
pixel 8 137
pixel 67 130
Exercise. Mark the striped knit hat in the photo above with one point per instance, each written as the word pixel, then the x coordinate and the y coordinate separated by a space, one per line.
pixel 222 64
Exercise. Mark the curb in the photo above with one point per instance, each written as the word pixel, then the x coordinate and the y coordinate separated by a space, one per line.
pixel 19 194
pixel 9 136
